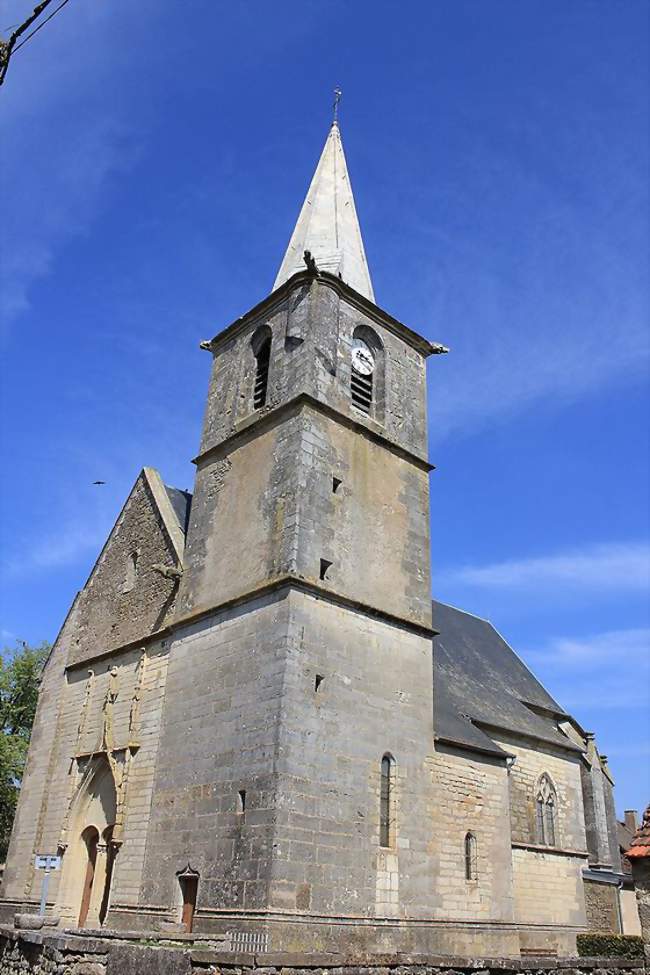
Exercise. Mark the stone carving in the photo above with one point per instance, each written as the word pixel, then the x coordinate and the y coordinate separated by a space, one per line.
pixel 84 708
pixel 168 571
pixel 112 692
pixel 134 714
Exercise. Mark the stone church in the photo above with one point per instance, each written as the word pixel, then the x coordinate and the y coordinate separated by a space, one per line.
pixel 254 720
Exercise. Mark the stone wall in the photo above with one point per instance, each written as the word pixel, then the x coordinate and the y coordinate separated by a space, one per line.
pixel 641 874
pixel 601 902
pixel 49 954
pixel 312 329
pixel 115 607
pixel 471 795
pixel 125 599
pixel 547 881
pixel 535 759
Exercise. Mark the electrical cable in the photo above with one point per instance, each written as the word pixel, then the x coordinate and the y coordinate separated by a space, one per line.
pixel 42 24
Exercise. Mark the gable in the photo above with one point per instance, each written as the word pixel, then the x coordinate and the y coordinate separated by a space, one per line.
pixel 125 598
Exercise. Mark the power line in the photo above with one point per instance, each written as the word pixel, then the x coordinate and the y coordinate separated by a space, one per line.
pixel 7 48
pixel 42 24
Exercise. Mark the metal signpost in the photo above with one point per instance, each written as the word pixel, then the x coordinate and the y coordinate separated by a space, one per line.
pixel 46 862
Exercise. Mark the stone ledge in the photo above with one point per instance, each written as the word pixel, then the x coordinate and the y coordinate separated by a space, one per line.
pixel 133 956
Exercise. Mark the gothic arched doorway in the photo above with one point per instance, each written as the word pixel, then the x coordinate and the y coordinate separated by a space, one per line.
pixel 89 859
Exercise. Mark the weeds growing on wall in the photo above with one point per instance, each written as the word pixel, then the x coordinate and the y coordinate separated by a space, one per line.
pixel 595 945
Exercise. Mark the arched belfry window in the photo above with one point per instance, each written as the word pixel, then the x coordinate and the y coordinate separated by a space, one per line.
pixel 471 857
pixel 387 802
pixel 546 812
pixel 261 345
pixel 367 371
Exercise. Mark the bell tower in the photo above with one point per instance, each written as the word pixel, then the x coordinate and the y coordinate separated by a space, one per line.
pixel 293 777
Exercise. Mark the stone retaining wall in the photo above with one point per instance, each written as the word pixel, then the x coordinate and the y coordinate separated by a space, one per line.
pixel 43 953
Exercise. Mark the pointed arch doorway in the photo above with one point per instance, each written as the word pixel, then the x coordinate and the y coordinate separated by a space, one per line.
pixel 90 857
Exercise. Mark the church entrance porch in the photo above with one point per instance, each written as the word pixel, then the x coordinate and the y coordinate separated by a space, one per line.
pixel 88 862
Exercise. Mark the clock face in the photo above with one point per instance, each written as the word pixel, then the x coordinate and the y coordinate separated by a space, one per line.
pixel 363 359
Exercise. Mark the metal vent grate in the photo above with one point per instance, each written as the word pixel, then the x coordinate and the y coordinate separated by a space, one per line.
pixel 249 940
pixel 361 387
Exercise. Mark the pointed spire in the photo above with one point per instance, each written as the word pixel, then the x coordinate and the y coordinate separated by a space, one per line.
pixel 328 226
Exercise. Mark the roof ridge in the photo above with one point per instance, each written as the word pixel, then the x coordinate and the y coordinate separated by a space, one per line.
pixel 466 612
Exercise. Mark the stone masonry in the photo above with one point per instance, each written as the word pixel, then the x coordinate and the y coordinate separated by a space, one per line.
pixel 244 730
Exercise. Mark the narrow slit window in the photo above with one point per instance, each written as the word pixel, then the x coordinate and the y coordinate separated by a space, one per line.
pixel 541 826
pixel 131 573
pixel 336 484
pixel 386 802
pixel 549 811
pixel 241 802
pixel 262 359
pixel 324 567
pixel 471 857
pixel 317 682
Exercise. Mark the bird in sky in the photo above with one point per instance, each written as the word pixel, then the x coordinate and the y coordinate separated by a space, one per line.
pixel 99 482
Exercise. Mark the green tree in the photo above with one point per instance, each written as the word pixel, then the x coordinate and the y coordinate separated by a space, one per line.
pixel 20 671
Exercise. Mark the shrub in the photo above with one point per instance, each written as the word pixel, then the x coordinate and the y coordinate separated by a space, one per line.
pixel 597 945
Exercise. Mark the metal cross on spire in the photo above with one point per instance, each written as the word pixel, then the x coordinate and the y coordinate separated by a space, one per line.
pixel 337 99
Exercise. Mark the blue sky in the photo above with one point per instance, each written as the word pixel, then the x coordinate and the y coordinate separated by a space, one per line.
pixel 154 159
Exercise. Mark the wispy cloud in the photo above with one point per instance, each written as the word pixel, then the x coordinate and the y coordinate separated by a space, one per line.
pixel 621 647
pixel 605 670
pixel 60 153
pixel 624 566
pixel 51 208
pixel 557 307
pixel 67 546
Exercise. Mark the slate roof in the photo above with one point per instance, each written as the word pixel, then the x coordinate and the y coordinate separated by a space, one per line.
pixel 181 502
pixel 481 685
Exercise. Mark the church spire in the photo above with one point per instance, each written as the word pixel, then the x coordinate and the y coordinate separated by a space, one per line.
pixel 328 226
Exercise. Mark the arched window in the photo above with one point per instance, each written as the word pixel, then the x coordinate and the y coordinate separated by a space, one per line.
pixel 261 344
pixel 545 811
pixel 471 857
pixel 386 800
pixel 366 372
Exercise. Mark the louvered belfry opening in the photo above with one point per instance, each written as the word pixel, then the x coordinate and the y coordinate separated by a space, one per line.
pixel 361 387
pixel 262 358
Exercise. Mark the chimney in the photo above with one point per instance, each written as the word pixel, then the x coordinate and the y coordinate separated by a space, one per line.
pixel 631 820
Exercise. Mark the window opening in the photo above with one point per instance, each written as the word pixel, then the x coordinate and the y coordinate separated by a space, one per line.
pixel 545 806
pixel 471 857
pixel 241 802
pixel 385 802
pixel 361 388
pixel 131 572
pixel 262 357
pixel 324 566
pixel 317 682
pixel 336 484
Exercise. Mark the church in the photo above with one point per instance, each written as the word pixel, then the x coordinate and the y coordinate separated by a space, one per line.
pixel 254 722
